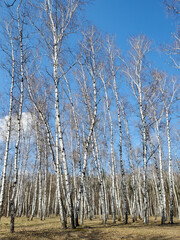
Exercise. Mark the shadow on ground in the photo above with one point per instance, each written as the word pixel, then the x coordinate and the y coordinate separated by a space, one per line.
pixel 93 230
pixel 90 233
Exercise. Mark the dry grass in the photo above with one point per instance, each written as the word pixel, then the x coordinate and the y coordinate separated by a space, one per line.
pixel 50 229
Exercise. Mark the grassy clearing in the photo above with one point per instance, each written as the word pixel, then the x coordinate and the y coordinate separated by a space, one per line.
pixel 51 229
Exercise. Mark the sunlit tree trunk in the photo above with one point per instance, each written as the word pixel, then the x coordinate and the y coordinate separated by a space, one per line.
pixel 44 202
pixel 39 154
pixel 168 98
pixel 50 193
pixel 100 177
pixel 111 56
pixel 170 169
pixel 163 196
pixel 112 153
pixel 3 181
pixel 140 47
pixel 134 201
pixel 20 35
pixel 34 201
pixel 92 67
pixel 78 146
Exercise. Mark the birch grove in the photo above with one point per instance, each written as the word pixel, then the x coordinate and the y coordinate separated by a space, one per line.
pixel 89 132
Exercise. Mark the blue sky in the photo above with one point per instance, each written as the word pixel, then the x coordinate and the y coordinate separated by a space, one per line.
pixel 124 18
pixel 128 17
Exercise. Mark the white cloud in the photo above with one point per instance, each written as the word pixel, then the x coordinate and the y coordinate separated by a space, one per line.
pixel 26 124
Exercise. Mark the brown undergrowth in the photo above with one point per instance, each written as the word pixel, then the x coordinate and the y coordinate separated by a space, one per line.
pixel 50 229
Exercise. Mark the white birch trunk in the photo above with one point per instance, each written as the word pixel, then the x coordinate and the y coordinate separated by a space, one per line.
pixel 34 201
pixel 50 192
pixel 163 196
pixel 92 117
pixel 20 32
pixel 6 153
pixel 78 146
pixel 134 202
pixel 112 154
pixel 100 177
pixel 112 56
pixel 170 169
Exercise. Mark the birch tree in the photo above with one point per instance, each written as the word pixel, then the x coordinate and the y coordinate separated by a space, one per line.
pixel 3 182
pixel 112 58
pixel 20 23
pixel 168 99
pixel 157 115
pixel 136 75
pixel 58 23
pixel 173 50
pixel 19 114
pixel 90 48
pixel 112 165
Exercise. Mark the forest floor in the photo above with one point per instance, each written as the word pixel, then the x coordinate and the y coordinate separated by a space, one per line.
pixel 93 230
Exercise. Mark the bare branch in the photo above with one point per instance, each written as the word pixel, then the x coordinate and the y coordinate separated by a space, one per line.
pixel 10 5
